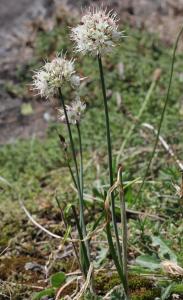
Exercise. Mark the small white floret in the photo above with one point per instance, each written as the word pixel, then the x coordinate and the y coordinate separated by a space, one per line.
pixel 97 33
pixel 53 75
pixel 74 112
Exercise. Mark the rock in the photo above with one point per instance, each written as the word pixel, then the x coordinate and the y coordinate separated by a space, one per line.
pixel 32 266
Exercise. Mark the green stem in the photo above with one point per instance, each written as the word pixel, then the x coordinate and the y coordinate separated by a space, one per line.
pixel 109 156
pixel 86 262
pixel 81 168
pixel 66 226
pixel 81 158
pixel 162 114
pixel 124 236
pixel 67 160
pixel 144 104
pixel 113 253
pixel 82 222
pixel 72 174
pixel 71 141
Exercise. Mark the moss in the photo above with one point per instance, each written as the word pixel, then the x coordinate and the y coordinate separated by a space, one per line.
pixel 139 286
pixel 144 294
pixel 106 281
pixel 14 268
pixel 67 265
pixel 138 282
pixel 7 232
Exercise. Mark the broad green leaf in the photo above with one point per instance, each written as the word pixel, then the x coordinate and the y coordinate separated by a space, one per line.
pixel 164 251
pixel 148 261
pixel 57 279
pixel 46 292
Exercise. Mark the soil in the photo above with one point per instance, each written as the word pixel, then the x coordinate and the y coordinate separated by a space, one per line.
pixel 17 31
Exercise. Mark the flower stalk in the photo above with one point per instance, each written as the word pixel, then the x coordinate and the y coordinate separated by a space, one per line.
pixel 162 114
pixel 156 77
pixel 81 158
pixel 109 148
pixel 124 231
pixel 121 266
pixel 83 251
pixel 78 182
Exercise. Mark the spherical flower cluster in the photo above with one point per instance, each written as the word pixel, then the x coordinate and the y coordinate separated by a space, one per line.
pixel 54 75
pixel 97 33
pixel 74 112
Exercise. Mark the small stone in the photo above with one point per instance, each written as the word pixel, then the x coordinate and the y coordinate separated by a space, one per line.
pixel 31 266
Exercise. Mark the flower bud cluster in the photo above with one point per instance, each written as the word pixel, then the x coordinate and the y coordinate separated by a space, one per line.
pixel 74 112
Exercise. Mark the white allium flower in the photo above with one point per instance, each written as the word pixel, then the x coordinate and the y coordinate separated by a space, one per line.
pixel 74 112
pixel 97 33
pixel 54 75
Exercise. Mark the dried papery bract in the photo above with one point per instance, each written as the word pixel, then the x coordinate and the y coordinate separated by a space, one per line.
pixel 54 75
pixel 97 33
pixel 172 268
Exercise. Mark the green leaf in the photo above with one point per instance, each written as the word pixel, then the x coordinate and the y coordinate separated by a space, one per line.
pixel 148 261
pixel 46 292
pixel 57 279
pixel 101 256
pixel 68 231
pixel 4 181
pixel 166 293
pixel 141 270
pixel 164 251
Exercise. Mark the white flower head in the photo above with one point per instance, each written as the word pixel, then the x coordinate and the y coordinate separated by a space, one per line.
pixel 54 75
pixel 97 33
pixel 74 112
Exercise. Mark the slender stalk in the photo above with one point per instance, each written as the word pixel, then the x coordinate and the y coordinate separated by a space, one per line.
pixel 124 235
pixel 82 222
pixel 109 146
pixel 81 158
pixel 71 141
pixel 81 168
pixel 67 161
pixel 72 175
pixel 66 226
pixel 81 180
pixel 113 253
pixel 162 114
pixel 144 104
pixel 86 263
pixel 83 250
